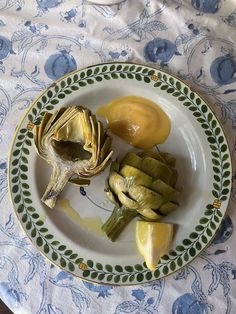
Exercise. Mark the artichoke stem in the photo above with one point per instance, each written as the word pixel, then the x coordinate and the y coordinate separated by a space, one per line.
pixel 56 184
pixel 119 219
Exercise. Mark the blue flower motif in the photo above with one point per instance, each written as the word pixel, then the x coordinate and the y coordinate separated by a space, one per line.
pixel 139 294
pixel 150 301
pixel 61 276
pixel 234 274
pixel 9 295
pixel 3 166
pixel 59 64
pixel 230 19
pixel 5 47
pixel 188 303
pixel 141 303
pixel 103 291
pixel 82 23
pixel 114 55
pixel 193 28
pixel 223 70
pixel 44 5
pixel 225 231
pixel 207 6
pixel 160 49
pixel 69 15
pixel 31 26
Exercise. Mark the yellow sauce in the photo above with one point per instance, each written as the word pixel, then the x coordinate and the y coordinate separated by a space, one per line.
pixel 92 224
pixel 137 120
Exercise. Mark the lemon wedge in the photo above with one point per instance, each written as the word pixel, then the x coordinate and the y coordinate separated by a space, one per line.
pixel 153 240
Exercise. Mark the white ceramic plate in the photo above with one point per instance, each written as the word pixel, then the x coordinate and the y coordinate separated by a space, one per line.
pixel 71 238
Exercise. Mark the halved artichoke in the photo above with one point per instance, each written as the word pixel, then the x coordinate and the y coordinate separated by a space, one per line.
pixel 73 142
pixel 141 184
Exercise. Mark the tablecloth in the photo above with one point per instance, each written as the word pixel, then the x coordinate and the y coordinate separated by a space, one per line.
pixel 195 40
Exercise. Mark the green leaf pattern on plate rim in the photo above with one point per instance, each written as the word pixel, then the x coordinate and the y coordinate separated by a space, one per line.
pixel 58 252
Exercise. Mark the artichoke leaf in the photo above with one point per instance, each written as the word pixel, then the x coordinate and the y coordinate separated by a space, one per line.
pixel 127 201
pixel 166 158
pixel 117 183
pixel 53 118
pixel 135 176
pixel 145 197
pixel 168 192
pixel 78 181
pixel 105 148
pixel 133 160
pixel 149 214
pixel 71 131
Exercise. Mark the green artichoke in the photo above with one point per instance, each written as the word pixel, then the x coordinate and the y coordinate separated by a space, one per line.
pixel 141 184
pixel 75 144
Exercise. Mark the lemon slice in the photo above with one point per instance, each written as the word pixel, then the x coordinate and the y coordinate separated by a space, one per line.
pixel 153 240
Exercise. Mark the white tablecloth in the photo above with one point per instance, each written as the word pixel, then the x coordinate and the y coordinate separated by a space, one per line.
pixel 195 40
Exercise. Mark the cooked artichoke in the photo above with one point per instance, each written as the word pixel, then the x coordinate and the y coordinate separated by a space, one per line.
pixel 141 184
pixel 73 142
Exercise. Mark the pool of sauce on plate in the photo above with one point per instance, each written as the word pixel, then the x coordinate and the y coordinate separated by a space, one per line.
pixel 137 120
pixel 92 224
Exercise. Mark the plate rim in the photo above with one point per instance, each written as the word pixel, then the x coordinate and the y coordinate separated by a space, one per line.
pixel 83 266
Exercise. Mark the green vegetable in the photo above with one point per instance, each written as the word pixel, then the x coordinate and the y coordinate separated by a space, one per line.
pixel 75 144
pixel 141 184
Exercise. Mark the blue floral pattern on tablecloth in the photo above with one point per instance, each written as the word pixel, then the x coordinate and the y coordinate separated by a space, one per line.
pixel 42 40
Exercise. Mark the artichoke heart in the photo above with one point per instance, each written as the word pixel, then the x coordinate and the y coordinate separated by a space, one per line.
pixel 140 185
pixel 75 144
